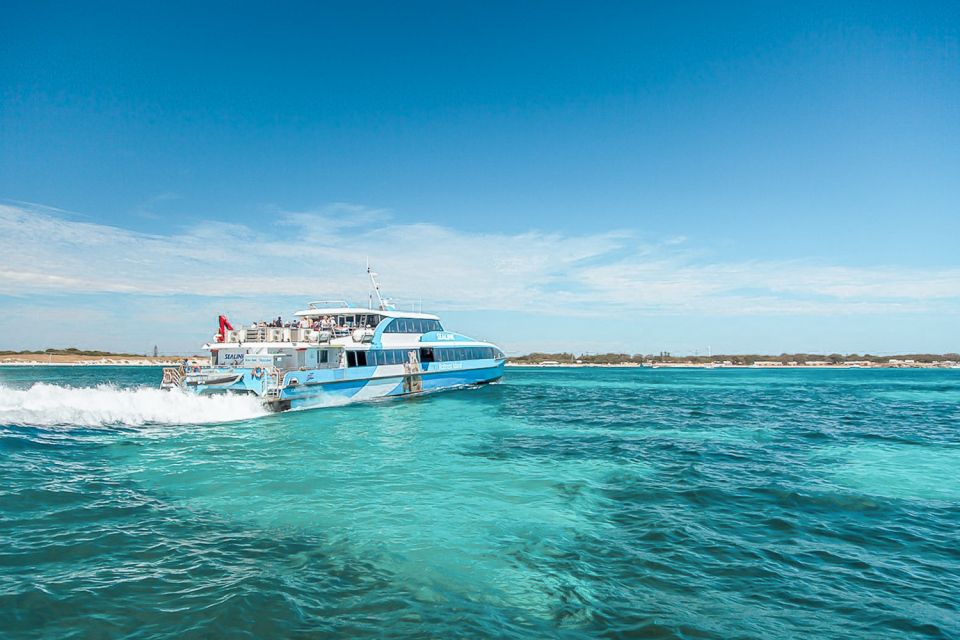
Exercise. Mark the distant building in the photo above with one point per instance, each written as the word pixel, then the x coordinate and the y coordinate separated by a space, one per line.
pixel 156 351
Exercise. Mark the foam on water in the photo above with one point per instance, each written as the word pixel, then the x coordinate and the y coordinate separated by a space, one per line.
pixel 107 405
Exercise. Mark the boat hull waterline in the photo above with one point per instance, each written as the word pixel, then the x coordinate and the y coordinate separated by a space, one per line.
pixel 315 394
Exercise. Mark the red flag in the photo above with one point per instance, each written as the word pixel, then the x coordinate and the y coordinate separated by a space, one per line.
pixel 224 327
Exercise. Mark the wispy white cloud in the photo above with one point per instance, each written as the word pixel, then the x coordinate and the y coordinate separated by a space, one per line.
pixel 309 254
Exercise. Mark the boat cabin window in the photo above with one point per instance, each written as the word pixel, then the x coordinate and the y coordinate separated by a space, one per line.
pixel 413 325
pixel 346 321
pixel 356 358
pixel 454 354
pixel 380 357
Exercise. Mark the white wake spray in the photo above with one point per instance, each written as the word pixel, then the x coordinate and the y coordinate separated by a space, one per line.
pixel 104 405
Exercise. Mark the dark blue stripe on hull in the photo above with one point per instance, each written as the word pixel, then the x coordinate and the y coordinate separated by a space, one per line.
pixel 335 392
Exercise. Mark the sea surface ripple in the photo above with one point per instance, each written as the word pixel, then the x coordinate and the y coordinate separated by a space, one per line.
pixel 569 503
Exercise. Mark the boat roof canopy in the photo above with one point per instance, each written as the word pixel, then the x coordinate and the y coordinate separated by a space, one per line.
pixel 342 311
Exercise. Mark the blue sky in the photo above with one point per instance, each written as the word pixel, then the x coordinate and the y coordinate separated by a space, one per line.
pixel 750 177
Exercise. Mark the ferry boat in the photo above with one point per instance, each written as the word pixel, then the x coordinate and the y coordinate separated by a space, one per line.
pixel 335 352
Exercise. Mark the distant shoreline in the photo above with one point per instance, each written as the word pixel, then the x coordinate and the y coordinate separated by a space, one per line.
pixel 62 360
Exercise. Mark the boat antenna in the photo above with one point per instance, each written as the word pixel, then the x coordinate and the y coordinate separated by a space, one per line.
pixel 383 302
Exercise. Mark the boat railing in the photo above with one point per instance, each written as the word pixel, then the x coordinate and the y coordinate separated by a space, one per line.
pixel 329 304
pixel 258 333
pixel 172 377
pixel 278 334
pixel 272 382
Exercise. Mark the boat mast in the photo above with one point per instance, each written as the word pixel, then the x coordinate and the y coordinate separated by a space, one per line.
pixel 384 304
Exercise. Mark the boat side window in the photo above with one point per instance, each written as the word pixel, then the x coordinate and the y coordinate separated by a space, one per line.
pixel 324 356
pixel 426 354
pixel 412 325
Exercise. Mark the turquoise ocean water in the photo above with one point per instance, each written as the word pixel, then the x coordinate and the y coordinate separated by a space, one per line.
pixel 560 503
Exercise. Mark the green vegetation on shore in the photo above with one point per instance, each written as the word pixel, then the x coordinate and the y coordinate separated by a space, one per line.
pixel 71 352
pixel 736 359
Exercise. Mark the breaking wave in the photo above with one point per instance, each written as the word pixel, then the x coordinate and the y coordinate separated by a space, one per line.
pixel 107 405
